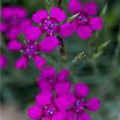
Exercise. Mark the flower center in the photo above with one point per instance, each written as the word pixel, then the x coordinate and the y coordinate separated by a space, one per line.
pixel 51 81
pixel 30 49
pixel 14 20
pixel 83 18
pixel 50 26
pixel 49 110
pixel 79 106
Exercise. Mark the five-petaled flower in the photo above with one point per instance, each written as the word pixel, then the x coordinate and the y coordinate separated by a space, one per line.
pixel 49 106
pixel 51 25
pixel 48 78
pixel 30 48
pixel 85 24
pixel 14 21
pixel 77 111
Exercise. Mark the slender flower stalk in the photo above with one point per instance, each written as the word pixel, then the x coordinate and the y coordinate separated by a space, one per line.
pixel 62 48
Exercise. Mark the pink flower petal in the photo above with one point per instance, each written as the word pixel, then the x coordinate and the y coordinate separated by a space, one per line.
pixel 95 23
pixel 62 103
pixel 48 72
pixel 14 45
pixel 33 33
pixel 20 12
pixel 74 6
pixel 93 104
pixel 39 62
pixel 63 74
pixel 3 27
pixel 81 89
pixel 25 24
pixel 44 98
pixel 48 44
pixel 66 29
pixel 7 12
pixel 58 14
pixel 83 116
pixel 75 25
pixel 13 33
pixel 59 116
pixel 45 118
pixel 22 63
pixel 65 88
pixel 70 115
pixel 35 112
pixel 84 32
pixel 71 98
pixel 44 85
pixel 3 61
pixel 91 8
pixel 39 16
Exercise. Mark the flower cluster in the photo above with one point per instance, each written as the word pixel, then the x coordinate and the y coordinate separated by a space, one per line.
pixel 57 100
pixel 32 47
pixel 60 103
pixel 14 21
pixel 51 27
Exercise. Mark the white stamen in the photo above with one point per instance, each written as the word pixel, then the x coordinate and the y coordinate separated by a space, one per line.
pixel 21 50
pixel 40 24
pixel 51 34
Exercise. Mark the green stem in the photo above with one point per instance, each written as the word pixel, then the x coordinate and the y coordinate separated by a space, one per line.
pixel 62 48
pixel 92 61
pixel 117 52
pixel 70 19
pixel 116 57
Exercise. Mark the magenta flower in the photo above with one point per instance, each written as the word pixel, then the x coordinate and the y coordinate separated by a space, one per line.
pixel 32 33
pixel 48 78
pixel 3 61
pixel 85 24
pixel 80 104
pixel 51 25
pixel 30 49
pixel 49 107
pixel 14 20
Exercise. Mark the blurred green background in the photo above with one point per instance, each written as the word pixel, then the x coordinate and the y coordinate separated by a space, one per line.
pixel 97 62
